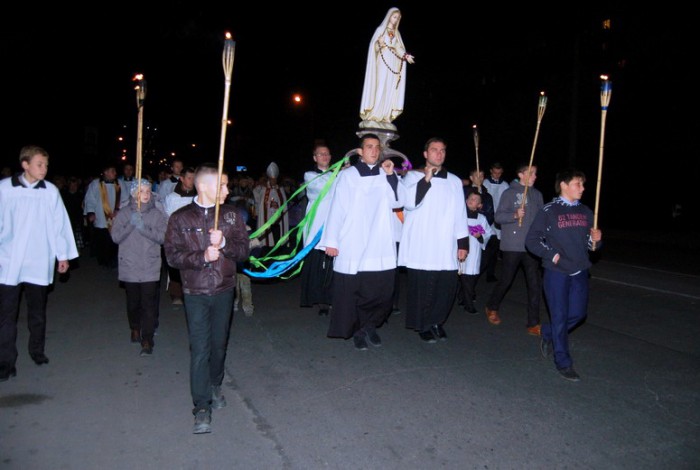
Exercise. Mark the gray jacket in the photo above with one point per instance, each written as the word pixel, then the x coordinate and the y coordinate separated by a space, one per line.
pixel 512 235
pixel 139 249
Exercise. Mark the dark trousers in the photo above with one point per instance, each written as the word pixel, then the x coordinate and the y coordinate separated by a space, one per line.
pixel 361 302
pixel 316 279
pixel 174 283
pixel 489 257
pixel 36 320
pixel 105 249
pixel 429 297
pixel 567 298
pixel 512 261
pixel 208 325
pixel 142 308
pixel 397 284
pixel 467 289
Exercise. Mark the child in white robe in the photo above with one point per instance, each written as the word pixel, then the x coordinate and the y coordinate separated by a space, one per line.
pixel 479 234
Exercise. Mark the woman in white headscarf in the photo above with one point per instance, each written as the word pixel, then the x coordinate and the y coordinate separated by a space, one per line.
pixel 385 76
pixel 139 230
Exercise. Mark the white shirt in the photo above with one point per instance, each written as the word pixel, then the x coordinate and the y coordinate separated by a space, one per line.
pixel 359 222
pixel 431 228
pixel 35 231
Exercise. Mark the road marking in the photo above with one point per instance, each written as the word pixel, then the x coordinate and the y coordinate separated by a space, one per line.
pixel 639 286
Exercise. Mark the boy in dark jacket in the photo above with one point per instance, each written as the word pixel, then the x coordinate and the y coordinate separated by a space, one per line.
pixel 207 260
pixel 561 235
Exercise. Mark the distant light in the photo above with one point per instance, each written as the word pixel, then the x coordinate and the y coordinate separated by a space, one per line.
pixel 123 157
pixel 296 98
pixel 194 145
pixel 120 139
pixel 172 154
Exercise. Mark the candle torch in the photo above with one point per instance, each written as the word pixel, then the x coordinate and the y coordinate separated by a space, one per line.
pixel 541 107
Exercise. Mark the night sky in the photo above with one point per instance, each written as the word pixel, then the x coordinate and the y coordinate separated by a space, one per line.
pixel 68 70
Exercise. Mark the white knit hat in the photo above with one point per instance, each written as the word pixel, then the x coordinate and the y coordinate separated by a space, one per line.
pixel 134 186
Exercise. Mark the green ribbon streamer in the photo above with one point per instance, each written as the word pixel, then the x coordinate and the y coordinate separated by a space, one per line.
pixel 298 231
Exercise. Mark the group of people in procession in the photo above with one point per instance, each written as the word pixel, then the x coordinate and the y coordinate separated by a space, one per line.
pixel 446 229
pixel 362 228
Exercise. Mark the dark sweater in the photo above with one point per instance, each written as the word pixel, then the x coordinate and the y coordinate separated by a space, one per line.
pixel 562 227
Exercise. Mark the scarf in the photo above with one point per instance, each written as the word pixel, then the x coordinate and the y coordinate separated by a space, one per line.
pixel 105 201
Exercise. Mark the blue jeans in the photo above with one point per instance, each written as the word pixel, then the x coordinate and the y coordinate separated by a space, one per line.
pixel 208 325
pixel 567 298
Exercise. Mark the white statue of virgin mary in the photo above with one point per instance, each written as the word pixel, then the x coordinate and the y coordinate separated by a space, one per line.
pixel 385 76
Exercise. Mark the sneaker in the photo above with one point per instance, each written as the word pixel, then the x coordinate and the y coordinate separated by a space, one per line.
pixel 492 316
pixel 218 400
pixel 534 330
pixel 177 301
pixel 396 311
pixel 545 347
pixel 360 343
pixel 427 336
pixel 146 350
pixel 569 374
pixel 202 421
pixel 374 339
pixel 438 332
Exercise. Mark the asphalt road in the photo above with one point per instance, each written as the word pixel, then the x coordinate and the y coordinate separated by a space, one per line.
pixel 298 400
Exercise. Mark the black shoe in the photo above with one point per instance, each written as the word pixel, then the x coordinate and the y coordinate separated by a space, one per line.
pixel 374 339
pixel 427 336
pixel 569 374
pixel 322 311
pixel 545 347
pixel 438 332
pixel 395 311
pixel 471 310
pixel 146 350
pixel 39 358
pixel 6 374
pixel 360 343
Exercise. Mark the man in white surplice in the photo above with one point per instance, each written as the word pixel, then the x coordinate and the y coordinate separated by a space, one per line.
pixel 358 234
pixel 434 239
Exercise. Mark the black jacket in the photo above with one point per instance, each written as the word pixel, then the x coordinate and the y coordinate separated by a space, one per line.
pixel 187 238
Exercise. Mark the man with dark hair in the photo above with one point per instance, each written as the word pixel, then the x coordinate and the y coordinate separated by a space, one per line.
pixel 358 236
pixel 102 201
pixel 434 239
pixel 562 234
pixel 206 258
pixel 495 185
pixel 516 211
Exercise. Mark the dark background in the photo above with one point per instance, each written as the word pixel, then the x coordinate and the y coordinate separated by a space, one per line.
pixel 68 87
